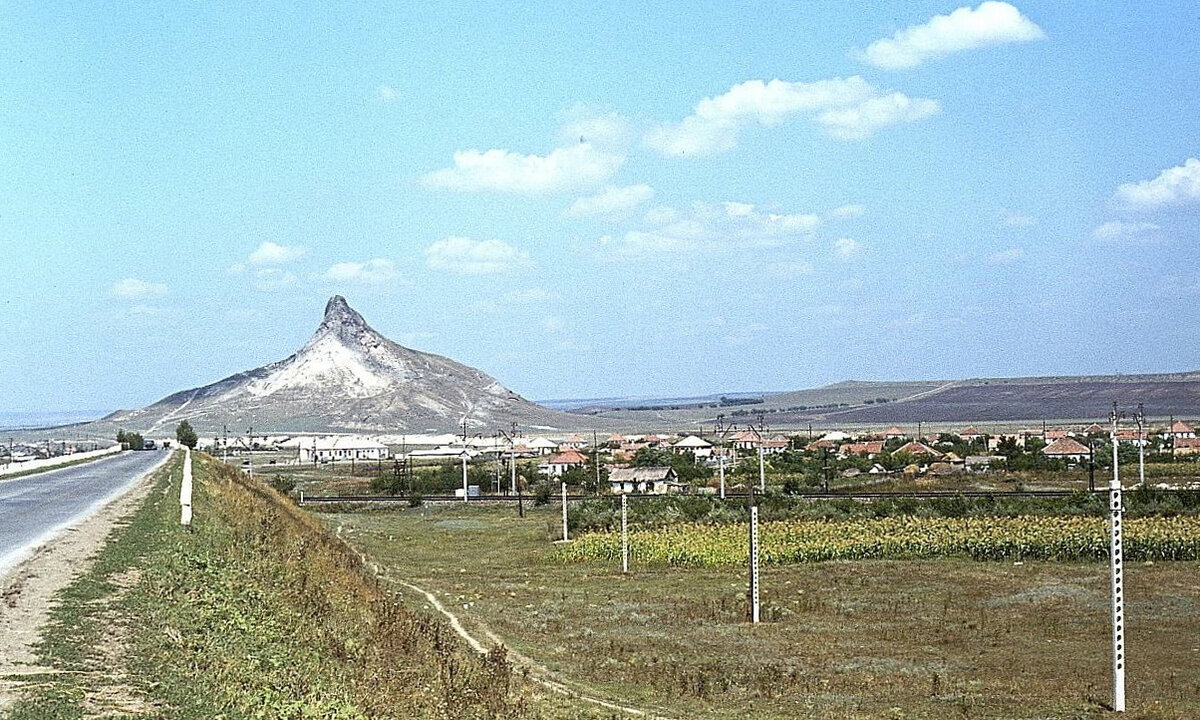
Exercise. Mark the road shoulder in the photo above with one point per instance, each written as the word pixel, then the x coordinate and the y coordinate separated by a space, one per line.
pixel 27 590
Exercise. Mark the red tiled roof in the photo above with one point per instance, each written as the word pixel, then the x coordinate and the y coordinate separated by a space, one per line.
pixel 917 448
pixel 870 447
pixel 567 457
pixel 1065 446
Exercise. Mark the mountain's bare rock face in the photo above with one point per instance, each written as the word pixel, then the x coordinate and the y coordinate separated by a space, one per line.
pixel 348 378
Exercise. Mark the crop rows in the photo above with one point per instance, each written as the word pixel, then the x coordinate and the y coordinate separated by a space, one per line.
pixel 901 537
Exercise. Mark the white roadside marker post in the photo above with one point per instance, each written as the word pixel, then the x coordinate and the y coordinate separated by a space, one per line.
pixel 624 533
pixel 564 504
pixel 1117 577
pixel 464 464
pixel 753 560
pixel 185 491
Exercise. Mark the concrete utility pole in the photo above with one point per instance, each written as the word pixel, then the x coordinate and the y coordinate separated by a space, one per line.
pixel 1117 575
pixel 512 456
pixel 564 508
pixel 624 533
pixel 722 431
pixel 754 612
pixel 1140 418
pixel 596 460
pixel 762 472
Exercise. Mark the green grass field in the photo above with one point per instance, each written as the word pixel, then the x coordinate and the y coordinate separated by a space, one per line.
pixel 945 638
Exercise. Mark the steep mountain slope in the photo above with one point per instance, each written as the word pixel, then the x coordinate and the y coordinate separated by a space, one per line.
pixel 348 377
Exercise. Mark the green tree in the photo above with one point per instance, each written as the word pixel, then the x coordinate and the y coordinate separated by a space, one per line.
pixel 134 440
pixel 186 435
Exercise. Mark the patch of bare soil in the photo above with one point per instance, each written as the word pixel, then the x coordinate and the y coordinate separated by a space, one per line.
pixel 27 591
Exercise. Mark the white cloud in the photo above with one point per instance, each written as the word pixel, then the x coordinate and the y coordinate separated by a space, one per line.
pixel 1006 257
pixel 269 253
pixel 848 211
pixel 719 227
pixel 553 324
pixel 474 257
pixel 847 247
pixel 716 122
pixel 605 130
pixel 131 288
pixel 371 272
pixel 862 120
pixel 387 93
pixel 992 23
pixel 566 169
pixel 612 201
pixel 1173 186
pixel 1119 230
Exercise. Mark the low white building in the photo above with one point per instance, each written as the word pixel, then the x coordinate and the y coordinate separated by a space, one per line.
pixel 655 480
pixel 339 448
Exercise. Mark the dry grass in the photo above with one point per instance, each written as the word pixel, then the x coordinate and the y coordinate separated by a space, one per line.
pixel 920 639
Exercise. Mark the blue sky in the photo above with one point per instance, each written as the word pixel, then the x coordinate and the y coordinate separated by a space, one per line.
pixel 665 198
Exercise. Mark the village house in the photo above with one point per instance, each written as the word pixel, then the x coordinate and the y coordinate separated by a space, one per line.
pixel 917 449
pixel 894 433
pixel 1066 449
pixel 542 446
pixel 656 480
pixel 982 463
pixel 869 449
pixel 1055 434
pixel 1131 436
pixel 573 442
pixel 1180 429
pixel 1186 446
pixel 745 441
pixel 971 434
pixel 698 447
pixel 556 465
pixel 775 445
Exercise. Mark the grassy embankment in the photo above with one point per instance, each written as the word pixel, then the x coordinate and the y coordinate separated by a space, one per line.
pixel 257 613
pixel 944 638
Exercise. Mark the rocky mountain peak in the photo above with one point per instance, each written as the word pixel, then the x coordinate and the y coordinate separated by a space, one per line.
pixel 342 320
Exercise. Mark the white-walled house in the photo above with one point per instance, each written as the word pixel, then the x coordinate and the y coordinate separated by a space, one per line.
pixel 697 446
pixel 340 448
pixel 556 465
pixel 653 480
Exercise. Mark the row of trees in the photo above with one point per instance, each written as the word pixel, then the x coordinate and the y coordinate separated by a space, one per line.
pixel 184 435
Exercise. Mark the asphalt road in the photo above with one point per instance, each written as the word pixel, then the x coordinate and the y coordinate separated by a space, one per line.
pixel 35 507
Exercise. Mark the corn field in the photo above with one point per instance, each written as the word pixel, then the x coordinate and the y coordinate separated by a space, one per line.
pixel 901 537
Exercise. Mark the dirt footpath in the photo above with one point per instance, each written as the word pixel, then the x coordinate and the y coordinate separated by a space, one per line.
pixel 27 590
